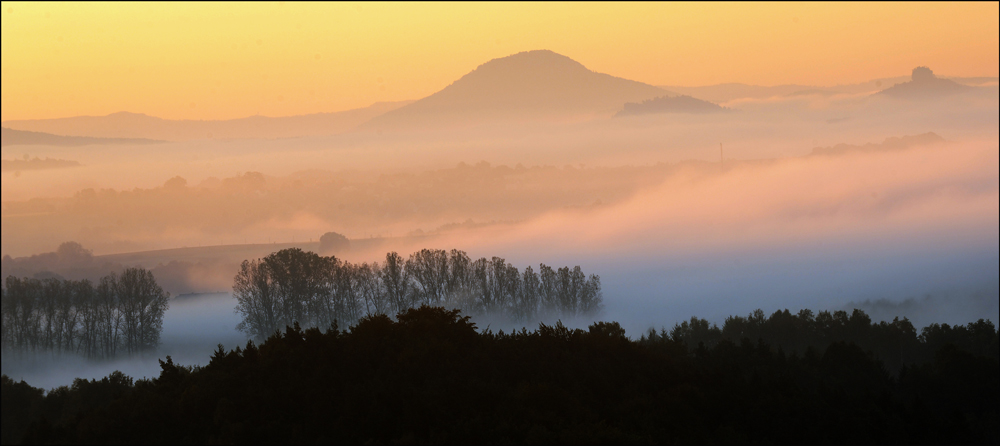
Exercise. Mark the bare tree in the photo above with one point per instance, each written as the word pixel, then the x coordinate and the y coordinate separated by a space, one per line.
pixel 57 315
pixel 292 286
pixel 143 303
pixel 111 319
pixel 481 288
pixel 297 278
pixel 460 280
pixel 429 269
pixel 89 316
pixel 51 290
pixel 548 289
pixel 257 300
pixel 323 304
pixel 591 300
pixel 396 280
pixel 369 286
pixel 530 291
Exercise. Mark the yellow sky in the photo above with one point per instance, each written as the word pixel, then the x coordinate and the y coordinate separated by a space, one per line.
pixel 216 61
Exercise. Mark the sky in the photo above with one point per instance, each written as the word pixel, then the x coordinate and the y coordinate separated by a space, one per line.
pixel 226 60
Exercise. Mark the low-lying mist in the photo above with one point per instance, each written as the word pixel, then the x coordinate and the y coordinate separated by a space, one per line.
pixel 675 224
pixel 193 327
pixel 906 232
pixel 814 232
pixel 777 126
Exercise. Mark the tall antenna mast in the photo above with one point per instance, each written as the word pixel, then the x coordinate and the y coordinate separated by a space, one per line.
pixel 722 161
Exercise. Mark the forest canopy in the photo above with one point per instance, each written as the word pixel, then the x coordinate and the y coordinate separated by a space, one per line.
pixel 430 376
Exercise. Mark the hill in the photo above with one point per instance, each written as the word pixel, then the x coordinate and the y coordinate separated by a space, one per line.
pixel 138 125
pixel 11 137
pixel 924 84
pixel 525 86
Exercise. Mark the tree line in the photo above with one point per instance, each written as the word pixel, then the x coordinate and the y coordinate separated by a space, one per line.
pixel 294 286
pixel 897 343
pixel 122 314
pixel 430 376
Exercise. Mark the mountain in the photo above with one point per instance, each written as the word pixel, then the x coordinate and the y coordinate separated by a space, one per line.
pixel 924 84
pixel 666 104
pixel 531 85
pixel 10 137
pixel 137 125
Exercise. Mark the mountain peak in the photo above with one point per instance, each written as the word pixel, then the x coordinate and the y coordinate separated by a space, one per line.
pixel 526 67
pixel 924 84
pixel 529 85
pixel 128 113
pixel 537 58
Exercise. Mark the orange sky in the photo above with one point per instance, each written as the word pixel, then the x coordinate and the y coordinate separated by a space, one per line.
pixel 215 61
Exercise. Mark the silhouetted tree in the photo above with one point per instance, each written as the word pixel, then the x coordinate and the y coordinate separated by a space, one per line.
pixel 429 376
pixel 143 303
pixel 123 312
pixel 292 286
pixel 257 300
pixel 332 242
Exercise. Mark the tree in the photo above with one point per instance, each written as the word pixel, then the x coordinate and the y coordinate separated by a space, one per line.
pixel 396 280
pixel 123 312
pixel 591 299
pixel 110 314
pixel 547 289
pixel 143 304
pixel 293 286
pixel 529 295
pixel 298 278
pixel 366 278
pixel 429 269
pixel 332 242
pixel 256 300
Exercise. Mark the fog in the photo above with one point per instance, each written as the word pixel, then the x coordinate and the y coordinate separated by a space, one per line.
pixel 814 232
pixel 345 173
pixel 908 233
pixel 681 215
pixel 192 329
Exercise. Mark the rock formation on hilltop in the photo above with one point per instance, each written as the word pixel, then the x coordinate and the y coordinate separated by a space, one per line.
pixel 924 84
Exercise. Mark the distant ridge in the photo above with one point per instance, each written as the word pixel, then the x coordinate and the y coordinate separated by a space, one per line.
pixel 722 93
pixel 924 84
pixel 530 85
pixel 36 163
pixel 890 144
pixel 138 125
pixel 666 104
pixel 10 137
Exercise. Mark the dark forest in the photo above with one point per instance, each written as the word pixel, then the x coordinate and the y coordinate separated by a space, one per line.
pixel 430 376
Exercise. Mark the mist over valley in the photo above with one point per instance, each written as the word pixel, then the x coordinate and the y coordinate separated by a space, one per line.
pixel 535 201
